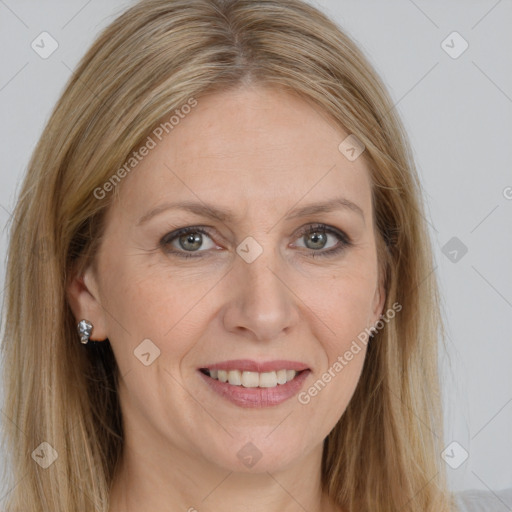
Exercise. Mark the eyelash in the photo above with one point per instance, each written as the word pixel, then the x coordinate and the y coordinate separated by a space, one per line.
pixel 313 228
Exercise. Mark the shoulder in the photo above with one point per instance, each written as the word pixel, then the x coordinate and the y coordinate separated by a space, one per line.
pixel 484 501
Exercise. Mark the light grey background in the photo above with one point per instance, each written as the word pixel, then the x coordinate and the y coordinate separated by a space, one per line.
pixel 458 113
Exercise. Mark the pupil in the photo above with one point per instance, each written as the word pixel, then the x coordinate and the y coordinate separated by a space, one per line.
pixel 191 241
pixel 319 240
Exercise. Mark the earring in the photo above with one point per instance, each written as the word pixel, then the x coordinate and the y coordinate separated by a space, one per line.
pixel 84 328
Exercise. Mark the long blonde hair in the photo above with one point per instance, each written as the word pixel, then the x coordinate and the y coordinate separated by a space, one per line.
pixel 384 453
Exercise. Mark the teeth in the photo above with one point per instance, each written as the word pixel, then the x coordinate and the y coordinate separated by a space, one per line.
pixel 253 379
pixel 250 379
pixel 235 377
pixel 281 377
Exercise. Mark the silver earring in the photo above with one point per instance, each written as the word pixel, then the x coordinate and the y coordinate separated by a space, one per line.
pixel 84 328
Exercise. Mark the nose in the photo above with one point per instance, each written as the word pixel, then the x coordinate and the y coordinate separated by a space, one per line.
pixel 261 302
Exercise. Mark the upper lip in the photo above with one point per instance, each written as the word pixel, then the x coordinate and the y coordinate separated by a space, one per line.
pixel 248 365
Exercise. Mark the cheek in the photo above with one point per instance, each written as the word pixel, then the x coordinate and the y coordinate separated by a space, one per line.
pixel 342 304
pixel 339 309
pixel 144 302
pixel 340 314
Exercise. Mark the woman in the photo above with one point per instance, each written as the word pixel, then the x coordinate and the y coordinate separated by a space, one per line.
pixel 224 205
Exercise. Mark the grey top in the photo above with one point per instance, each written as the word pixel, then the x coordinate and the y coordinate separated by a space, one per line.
pixel 484 501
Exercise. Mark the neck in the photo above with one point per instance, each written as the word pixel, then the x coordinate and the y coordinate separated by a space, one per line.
pixel 169 480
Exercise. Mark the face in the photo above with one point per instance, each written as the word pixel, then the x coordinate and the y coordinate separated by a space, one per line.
pixel 261 275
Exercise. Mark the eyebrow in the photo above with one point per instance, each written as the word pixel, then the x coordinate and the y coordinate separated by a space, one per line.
pixel 222 215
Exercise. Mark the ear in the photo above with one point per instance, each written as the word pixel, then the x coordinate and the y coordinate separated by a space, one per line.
pixel 83 297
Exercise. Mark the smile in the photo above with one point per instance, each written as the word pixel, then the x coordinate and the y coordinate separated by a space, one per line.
pixel 252 384
pixel 249 379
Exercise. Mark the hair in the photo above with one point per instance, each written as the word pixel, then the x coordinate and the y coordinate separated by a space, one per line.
pixel 384 452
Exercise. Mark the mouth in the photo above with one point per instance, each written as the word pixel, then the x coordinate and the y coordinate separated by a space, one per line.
pixel 252 379
pixel 255 389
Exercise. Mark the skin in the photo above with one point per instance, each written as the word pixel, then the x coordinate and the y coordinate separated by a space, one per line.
pixel 260 153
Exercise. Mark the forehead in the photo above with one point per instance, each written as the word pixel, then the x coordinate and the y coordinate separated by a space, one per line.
pixel 251 148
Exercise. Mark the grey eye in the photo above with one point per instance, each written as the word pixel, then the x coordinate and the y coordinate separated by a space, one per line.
pixel 318 240
pixel 188 240
pixel 191 241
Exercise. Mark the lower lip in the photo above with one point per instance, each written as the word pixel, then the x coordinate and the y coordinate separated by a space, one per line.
pixel 257 397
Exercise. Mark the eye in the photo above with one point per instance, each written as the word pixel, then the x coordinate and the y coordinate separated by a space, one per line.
pixel 187 240
pixel 316 237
